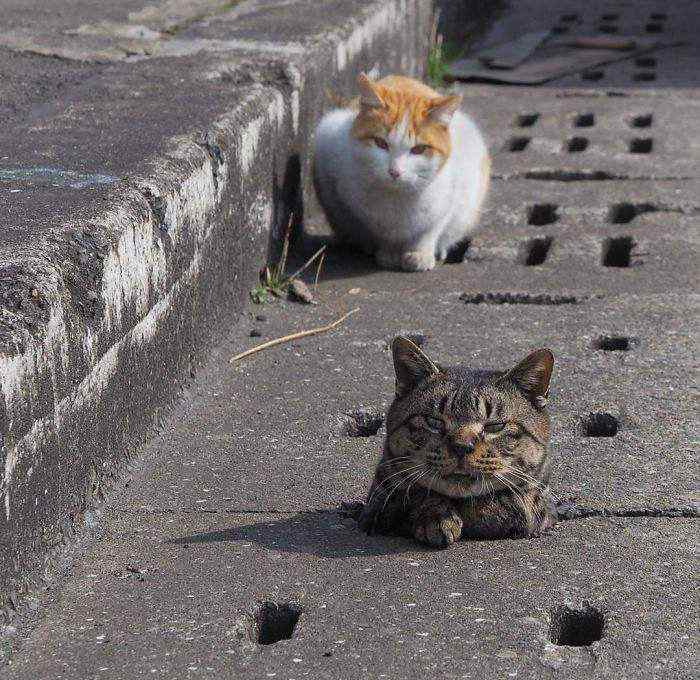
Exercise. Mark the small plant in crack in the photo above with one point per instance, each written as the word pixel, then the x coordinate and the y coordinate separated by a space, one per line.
pixel 440 54
pixel 274 281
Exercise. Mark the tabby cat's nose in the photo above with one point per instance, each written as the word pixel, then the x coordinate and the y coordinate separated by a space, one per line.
pixel 463 448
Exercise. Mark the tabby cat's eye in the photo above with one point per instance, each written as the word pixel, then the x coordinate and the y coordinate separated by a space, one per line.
pixel 435 425
pixel 494 428
pixel 418 149
pixel 381 143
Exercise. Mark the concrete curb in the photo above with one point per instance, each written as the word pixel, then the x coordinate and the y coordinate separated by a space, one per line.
pixel 106 312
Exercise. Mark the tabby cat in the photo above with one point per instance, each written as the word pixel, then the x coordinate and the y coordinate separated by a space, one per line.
pixel 402 173
pixel 465 453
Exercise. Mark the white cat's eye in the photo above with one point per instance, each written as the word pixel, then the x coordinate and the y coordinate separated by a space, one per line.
pixel 494 428
pixel 418 149
pixel 435 425
pixel 381 143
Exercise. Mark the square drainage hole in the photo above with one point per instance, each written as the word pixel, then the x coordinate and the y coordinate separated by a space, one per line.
pixel 600 425
pixel 643 120
pixel 535 251
pixel 617 251
pixel 526 119
pixel 641 145
pixel 576 144
pixel 363 422
pixel 592 75
pixel 645 62
pixel 542 213
pixel 572 627
pixel 458 252
pixel 644 76
pixel 613 343
pixel 275 622
pixel 517 143
pixel 584 120
pixel 624 213
pixel 654 27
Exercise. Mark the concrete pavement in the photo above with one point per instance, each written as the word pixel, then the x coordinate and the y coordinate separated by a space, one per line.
pixel 225 553
pixel 141 191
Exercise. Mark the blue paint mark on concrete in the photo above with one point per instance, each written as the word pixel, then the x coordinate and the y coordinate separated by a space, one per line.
pixel 54 177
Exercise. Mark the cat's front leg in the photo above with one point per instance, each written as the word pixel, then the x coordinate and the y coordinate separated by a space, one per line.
pixel 436 523
pixel 420 256
pixel 418 260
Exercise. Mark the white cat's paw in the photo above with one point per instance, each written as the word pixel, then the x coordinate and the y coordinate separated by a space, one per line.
pixel 387 259
pixel 418 260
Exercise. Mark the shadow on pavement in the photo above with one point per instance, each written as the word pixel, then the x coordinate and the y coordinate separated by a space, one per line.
pixel 322 533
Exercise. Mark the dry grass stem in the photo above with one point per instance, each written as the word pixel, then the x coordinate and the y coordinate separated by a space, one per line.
pixel 292 336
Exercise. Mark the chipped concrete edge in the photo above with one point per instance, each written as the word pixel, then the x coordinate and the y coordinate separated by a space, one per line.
pixel 103 321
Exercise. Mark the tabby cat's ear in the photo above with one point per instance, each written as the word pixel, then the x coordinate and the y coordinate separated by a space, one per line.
pixel 442 109
pixel 411 365
pixel 368 95
pixel 532 375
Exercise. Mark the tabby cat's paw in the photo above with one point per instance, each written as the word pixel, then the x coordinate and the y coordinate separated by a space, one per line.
pixel 440 531
pixel 418 260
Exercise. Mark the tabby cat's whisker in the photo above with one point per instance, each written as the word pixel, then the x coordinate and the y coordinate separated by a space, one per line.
pixel 532 481
pixel 528 509
pixel 398 485
pixel 381 487
pixel 413 481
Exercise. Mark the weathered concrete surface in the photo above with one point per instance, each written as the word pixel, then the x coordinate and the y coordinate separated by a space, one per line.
pixel 236 501
pixel 371 607
pixel 140 199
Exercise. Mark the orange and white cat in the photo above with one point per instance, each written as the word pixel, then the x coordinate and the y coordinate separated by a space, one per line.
pixel 403 175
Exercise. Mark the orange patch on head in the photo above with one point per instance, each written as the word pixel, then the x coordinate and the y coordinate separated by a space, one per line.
pixel 398 100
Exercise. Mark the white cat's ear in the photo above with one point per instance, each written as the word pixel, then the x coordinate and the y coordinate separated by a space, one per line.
pixel 532 375
pixel 442 109
pixel 368 95
pixel 411 365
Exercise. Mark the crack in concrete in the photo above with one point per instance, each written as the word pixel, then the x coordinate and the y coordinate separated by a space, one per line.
pixel 571 511
pixel 565 511
pixel 557 175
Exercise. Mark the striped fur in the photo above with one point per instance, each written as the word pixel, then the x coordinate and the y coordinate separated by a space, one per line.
pixel 465 452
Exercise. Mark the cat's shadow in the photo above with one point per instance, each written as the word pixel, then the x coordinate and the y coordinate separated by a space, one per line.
pixel 341 260
pixel 346 261
pixel 322 533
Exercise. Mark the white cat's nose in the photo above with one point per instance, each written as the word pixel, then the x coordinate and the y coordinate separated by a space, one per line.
pixel 395 172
